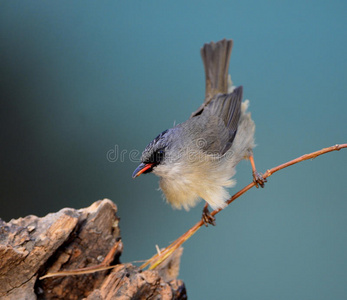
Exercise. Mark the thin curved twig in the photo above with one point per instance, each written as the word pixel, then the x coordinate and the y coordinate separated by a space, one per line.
pixel 157 259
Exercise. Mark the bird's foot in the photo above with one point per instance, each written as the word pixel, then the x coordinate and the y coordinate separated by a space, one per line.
pixel 207 218
pixel 258 179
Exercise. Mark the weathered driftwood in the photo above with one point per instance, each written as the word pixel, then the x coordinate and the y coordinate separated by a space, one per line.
pixel 73 239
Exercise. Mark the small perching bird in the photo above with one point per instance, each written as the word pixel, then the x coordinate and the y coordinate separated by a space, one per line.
pixel 197 159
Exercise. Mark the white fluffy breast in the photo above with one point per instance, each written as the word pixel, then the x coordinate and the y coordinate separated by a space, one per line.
pixel 191 178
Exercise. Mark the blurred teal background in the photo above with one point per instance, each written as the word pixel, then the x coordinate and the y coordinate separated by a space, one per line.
pixel 81 78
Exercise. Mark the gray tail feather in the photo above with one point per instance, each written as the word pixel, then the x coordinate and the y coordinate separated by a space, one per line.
pixel 216 57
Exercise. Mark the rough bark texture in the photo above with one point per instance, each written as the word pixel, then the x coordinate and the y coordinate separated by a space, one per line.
pixel 73 239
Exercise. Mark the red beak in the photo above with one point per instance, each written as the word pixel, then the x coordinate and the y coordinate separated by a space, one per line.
pixel 141 169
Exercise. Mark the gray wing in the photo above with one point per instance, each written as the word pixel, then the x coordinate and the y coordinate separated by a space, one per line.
pixel 221 117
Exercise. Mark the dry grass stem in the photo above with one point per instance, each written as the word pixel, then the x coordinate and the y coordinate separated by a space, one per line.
pixel 157 259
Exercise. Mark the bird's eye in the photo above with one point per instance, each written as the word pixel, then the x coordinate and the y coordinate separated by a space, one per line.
pixel 159 155
pixel 156 157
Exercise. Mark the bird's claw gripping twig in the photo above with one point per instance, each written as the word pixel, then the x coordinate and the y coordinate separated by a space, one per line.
pixel 207 218
pixel 258 179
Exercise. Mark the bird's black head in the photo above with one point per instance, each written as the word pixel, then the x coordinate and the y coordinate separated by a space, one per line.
pixel 153 154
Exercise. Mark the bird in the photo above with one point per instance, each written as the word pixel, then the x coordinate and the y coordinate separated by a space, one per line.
pixel 196 159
